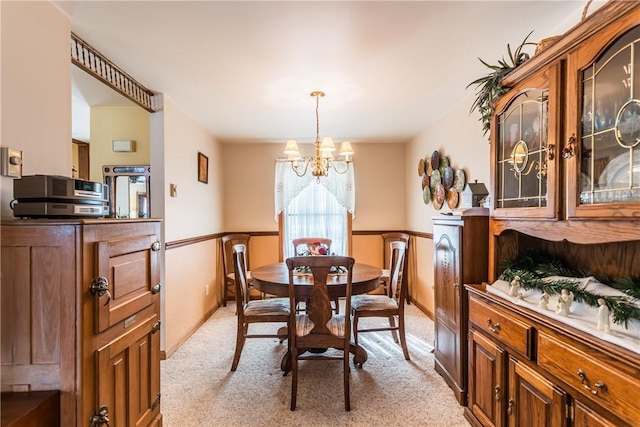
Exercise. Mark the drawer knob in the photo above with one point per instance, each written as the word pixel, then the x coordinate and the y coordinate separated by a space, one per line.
pixel 495 328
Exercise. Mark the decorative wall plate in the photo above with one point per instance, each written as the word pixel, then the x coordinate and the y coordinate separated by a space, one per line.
pixel 427 165
pixel 459 180
pixel 444 162
pixel 435 179
pixel 425 181
pixel 426 195
pixel 435 160
pixel 421 169
pixel 439 196
pixel 452 198
pixel 447 178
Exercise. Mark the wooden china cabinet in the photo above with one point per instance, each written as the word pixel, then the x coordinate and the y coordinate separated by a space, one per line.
pixel 565 144
pixel 565 152
pixel 80 314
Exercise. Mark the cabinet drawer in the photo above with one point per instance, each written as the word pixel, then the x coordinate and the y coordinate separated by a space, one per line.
pixel 500 324
pixel 600 383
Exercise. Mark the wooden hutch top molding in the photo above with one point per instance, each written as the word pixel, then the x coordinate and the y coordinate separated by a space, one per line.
pixel 581 32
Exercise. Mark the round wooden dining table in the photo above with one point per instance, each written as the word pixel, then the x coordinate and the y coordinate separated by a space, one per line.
pixel 273 279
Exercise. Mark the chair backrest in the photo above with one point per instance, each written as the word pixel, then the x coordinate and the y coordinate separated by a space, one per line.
pixel 228 241
pixel 387 238
pixel 397 253
pixel 310 240
pixel 319 308
pixel 240 271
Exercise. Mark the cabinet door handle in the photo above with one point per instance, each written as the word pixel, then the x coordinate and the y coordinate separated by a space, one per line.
pixel 597 387
pixel 155 246
pixel 156 288
pixel 100 417
pixel 100 287
pixel 495 328
pixel 551 151
pixel 497 393
pixel 569 150
pixel 510 406
pixel 600 385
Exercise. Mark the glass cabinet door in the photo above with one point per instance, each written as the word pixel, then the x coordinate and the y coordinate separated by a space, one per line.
pixel 608 159
pixel 522 162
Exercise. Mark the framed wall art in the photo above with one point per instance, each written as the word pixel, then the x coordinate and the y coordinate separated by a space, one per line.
pixel 203 168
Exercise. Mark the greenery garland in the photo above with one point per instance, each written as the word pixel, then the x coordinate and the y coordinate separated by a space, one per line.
pixel 534 266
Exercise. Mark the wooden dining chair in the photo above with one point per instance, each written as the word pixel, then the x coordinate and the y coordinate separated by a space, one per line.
pixel 319 327
pixel 390 305
pixel 271 310
pixel 387 239
pixel 306 241
pixel 228 241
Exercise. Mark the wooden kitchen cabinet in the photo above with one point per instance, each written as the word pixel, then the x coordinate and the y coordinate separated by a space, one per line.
pixel 460 256
pixel 81 308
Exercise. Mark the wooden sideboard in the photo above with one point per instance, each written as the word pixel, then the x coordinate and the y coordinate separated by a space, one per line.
pixel 529 369
pixel 80 314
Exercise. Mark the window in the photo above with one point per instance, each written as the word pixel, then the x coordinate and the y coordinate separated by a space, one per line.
pixel 315 212
pixel 311 208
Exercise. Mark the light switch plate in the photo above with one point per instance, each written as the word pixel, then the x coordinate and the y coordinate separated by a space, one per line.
pixel 11 162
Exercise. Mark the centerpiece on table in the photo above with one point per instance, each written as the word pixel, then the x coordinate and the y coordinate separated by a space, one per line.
pixel 313 249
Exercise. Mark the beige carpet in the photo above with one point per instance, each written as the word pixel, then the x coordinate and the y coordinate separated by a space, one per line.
pixel 199 390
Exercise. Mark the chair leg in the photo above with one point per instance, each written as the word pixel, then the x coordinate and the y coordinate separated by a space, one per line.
pixel 394 332
pixel 240 339
pixel 337 302
pixel 347 396
pixel 403 338
pixel 355 327
pixel 294 377
pixel 226 292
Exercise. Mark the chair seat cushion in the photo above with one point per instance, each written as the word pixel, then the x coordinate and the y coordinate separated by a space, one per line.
pixel 373 303
pixel 271 306
pixel 304 325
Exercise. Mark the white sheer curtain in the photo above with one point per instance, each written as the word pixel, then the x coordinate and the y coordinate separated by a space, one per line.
pixel 314 209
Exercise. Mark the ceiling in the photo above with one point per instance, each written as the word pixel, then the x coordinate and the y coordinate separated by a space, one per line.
pixel 244 70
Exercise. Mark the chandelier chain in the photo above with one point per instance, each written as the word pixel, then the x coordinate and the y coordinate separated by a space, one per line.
pixel 317 117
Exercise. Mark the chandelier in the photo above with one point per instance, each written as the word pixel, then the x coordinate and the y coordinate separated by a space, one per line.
pixel 323 161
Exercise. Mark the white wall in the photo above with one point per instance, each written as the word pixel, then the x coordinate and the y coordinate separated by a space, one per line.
pixel 36 102
pixel 191 275
pixel 457 135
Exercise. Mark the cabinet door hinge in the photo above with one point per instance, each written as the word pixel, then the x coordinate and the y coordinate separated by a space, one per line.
pixel 570 412
pixel 156 402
